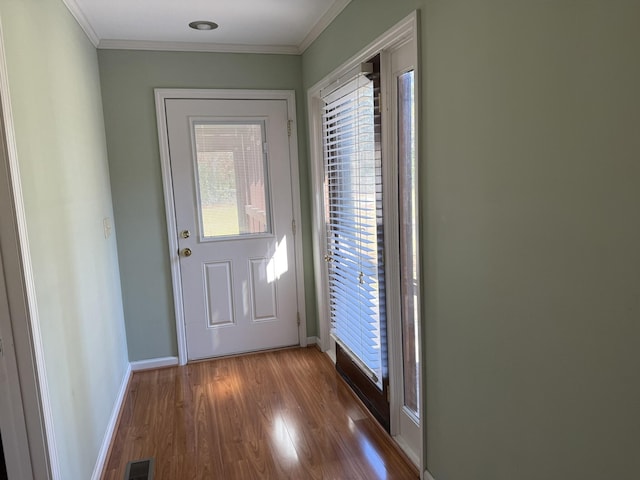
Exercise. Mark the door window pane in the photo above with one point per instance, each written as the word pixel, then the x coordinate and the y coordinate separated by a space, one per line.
pixel 408 240
pixel 232 179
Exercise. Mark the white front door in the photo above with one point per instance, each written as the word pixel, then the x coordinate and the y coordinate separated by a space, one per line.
pixel 231 175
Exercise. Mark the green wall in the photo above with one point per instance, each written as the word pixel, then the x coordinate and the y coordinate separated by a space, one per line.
pixel 530 198
pixel 55 98
pixel 529 186
pixel 128 79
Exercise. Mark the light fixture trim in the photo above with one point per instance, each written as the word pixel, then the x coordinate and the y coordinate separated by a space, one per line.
pixel 203 25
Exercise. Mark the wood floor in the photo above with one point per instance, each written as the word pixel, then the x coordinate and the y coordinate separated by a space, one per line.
pixel 273 415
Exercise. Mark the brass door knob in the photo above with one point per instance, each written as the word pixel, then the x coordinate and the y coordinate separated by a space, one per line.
pixel 186 252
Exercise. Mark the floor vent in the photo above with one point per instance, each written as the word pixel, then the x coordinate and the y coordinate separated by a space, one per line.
pixel 139 470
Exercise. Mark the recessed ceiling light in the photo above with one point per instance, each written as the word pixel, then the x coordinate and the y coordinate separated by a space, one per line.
pixel 203 25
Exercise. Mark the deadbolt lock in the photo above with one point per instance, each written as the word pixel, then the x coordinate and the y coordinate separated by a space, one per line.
pixel 185 234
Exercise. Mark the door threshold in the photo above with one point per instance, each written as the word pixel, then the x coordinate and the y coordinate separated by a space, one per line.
pixel 244 354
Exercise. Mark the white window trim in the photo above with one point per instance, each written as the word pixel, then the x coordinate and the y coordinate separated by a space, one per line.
pixel 404 31
pixel 162 94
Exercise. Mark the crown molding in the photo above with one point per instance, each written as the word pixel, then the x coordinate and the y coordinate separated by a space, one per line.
pixel 330 15
pixel 82 20
pixel 336 8
pixel 107 44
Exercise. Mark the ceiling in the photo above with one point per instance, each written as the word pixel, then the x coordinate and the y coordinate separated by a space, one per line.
pixel 254 26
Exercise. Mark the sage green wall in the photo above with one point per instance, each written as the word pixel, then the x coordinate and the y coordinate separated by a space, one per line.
pixel 128 79
pixel 530 194
pixel 55 98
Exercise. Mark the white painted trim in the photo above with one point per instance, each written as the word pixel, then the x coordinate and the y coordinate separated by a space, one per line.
pixel 152 363
pixel 112 425
pixel 172 229
pixel 314 109
pixel 112 44
pixel 394 36
pixel 391 246
pixel 331 353
pixel 82 20
pixel 122 44
pixel 395 61
pixel 162 94
pixel 428 476
pixel 330 15
pixel 312 341
pixel 38 404
pixel 407 450
pixel 13 426
pixel 297 215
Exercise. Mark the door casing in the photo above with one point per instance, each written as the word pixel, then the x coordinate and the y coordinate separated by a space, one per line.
pixel 162 94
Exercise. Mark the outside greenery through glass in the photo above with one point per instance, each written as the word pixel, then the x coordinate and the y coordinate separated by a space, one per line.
pixel 231 176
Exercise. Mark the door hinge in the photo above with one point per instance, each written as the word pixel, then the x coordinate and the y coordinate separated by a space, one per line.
pixel 289 127
pixel 2 351
pixel 298 317
pixel 293 226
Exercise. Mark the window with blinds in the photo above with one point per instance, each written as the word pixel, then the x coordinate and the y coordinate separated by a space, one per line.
pixel 353 200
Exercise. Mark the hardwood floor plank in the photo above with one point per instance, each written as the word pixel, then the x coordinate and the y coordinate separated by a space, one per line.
pixel 272 415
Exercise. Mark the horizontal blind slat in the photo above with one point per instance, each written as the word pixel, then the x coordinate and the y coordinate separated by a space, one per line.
pixel 353 206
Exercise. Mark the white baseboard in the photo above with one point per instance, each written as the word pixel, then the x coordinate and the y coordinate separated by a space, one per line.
pixel 111 426
pixel 331 354
pixel 312 340
pixel 154 363
pixel 428 476
pixel 408 451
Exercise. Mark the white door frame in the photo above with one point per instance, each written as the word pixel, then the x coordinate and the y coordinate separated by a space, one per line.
pixel 13 427
pixel 404 31
pixel 162 94
pixel 28 429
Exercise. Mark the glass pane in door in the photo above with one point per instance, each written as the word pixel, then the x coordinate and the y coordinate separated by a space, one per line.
pixel 408 241
pixel 232 177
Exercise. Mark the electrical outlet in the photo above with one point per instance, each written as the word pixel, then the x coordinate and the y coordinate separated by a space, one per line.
pixel 106 223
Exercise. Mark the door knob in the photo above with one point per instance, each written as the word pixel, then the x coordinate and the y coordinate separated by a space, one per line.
pixel 186 252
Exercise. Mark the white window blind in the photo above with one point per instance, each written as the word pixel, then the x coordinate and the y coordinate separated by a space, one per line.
pixel 352 200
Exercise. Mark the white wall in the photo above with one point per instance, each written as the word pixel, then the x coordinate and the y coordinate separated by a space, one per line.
pixel 57 110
